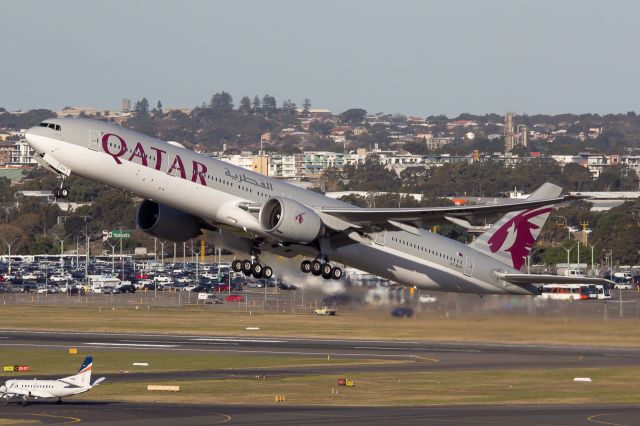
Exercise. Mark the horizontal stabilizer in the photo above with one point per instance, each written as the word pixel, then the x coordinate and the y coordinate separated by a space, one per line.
pixel 98 381
pixel 521 279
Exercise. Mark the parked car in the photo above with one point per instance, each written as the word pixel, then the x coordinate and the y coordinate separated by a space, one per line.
pixel 126 288
pixel 425 298
pixel 234 298
pixel 402 312
pixel 324 311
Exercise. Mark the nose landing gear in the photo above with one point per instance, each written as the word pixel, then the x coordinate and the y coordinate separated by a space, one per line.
pixel 62 192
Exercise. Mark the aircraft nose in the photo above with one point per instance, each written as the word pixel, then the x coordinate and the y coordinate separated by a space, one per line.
pixel 33 138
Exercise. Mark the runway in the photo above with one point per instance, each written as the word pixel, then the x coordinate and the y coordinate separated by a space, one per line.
pixel 418 355
pixel 414 356
pixel 98 413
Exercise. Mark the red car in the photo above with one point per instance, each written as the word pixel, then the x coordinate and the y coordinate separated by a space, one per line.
pixel 234 298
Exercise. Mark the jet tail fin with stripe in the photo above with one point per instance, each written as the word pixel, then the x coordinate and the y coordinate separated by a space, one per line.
pixel 511 238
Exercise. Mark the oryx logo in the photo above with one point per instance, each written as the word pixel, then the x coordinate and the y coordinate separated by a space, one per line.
pixel 300 218
pixel 517 235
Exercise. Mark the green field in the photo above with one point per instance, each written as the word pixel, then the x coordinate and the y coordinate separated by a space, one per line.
pixel 535 386
pixel 503 328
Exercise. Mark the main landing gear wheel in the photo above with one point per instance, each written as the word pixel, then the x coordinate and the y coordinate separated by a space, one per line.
pixel 256 270
pixel 246 267
pixel 316 267
pixel 336 273
pixel 252 268
pixel 324 269
pixel 267 272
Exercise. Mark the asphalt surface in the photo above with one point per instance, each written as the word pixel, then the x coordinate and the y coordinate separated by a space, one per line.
pixel 99 413
pixel 415 356
pixel 419 355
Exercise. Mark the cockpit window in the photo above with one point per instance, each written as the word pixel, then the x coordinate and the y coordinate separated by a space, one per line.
pixel 51 126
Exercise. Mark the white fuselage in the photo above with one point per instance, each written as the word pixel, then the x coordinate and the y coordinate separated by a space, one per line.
pixel 43 388
pixel 212 189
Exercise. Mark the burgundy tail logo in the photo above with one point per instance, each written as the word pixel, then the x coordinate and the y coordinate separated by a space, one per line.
pixel 516 236
pixel 300 218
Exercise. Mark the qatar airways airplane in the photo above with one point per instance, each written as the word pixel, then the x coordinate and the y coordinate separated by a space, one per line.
pixel 189 194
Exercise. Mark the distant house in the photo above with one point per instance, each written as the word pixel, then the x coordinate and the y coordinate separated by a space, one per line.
pixel 461 123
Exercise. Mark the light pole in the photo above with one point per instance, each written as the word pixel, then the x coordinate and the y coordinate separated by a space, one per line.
pixel 62 240
pixel 568 251
pixel 592 248
pixel 162 243
pixel 529 260
pixel 9 244
pixel 113 256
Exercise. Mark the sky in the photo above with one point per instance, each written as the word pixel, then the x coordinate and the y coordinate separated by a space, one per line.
pixel 410 57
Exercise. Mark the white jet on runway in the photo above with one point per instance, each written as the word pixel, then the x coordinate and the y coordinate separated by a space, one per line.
pixel 23 390
pixel 187 194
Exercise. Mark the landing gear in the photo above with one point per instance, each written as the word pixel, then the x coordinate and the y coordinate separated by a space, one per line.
pixel 252 267
pixel 59 401
pixel 61 192
pixel 319 268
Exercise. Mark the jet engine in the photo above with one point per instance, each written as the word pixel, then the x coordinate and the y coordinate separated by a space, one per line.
pixel 289 220
pixel 166 222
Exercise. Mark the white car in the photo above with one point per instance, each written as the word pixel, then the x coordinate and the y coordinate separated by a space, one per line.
pixel 425 298
pixel 623 286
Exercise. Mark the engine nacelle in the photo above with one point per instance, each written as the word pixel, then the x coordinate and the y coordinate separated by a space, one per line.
pixel 166 223
pixel 289 220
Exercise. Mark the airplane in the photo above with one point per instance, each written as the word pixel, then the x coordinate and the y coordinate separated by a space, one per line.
pixel 25 389
pixel 188 195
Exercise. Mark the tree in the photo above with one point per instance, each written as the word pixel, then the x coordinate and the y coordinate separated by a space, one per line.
pixel 269 105
pixel 353 116
pixel 256 103
pixel 245 105
pixel 221 102
pixel 306 105
pixel 141 108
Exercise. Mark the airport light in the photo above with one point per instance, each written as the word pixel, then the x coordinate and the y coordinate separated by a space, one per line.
pixel 62 240
pixel 592 248
pixel 529 260
pixel 9 244
pixel 568 251
pixel 113 256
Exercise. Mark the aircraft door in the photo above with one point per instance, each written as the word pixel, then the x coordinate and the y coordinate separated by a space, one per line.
pixel 94 140
pixel 381 237
pixel 468 266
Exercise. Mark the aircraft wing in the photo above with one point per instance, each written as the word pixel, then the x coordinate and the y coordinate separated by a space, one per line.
pixel 519 279
pixel 433 215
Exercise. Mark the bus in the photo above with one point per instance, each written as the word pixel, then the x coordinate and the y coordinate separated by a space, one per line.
pixel 566 292
pixel 604 291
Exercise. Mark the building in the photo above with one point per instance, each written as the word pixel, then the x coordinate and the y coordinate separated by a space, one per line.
pixel 22 153
pixel 508 132
pixel 6 148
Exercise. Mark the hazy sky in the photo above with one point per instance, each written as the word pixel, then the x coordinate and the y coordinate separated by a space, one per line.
pixel 412 57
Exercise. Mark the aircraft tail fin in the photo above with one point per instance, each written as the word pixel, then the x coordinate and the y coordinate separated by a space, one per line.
pixel 511 238
pixel 84 374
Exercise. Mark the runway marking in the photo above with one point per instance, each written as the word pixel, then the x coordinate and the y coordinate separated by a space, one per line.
pixel 592 419
pixel 234 339
pixel 424 358
pixel 130 345
pixel 227 418
pixel 69 418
